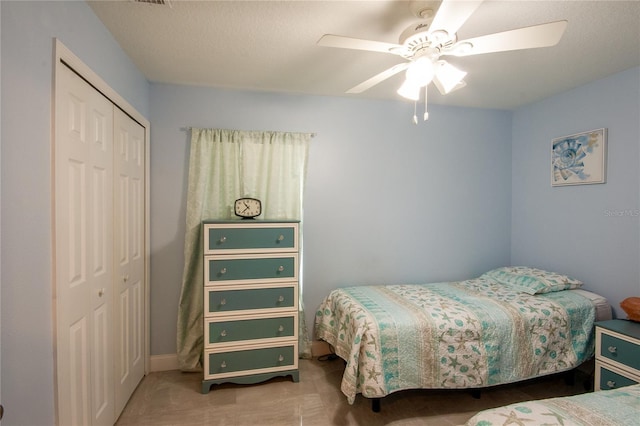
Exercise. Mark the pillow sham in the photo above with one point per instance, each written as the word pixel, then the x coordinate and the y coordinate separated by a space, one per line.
pixel 532 280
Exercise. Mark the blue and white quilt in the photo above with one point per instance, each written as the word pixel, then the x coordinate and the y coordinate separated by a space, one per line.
pixel 616 407
pixel 468 334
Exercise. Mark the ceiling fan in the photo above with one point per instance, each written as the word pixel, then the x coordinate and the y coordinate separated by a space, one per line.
pixel 423 44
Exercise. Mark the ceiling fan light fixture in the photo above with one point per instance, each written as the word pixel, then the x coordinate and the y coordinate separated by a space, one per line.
pixel 421 72
pixel 447 77
pixel 409 90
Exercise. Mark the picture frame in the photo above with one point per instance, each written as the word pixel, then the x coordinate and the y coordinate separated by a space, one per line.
pixel 579 159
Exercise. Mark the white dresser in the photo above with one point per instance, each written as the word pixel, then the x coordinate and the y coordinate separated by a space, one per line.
pixel 250 301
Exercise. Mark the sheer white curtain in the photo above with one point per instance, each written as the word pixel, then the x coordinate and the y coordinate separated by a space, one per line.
pixel 225 165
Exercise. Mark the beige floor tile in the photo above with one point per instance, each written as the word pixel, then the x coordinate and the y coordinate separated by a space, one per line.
pixel 175 398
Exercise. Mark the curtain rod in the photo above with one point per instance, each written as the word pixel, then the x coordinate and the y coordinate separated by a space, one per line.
pixel 186 129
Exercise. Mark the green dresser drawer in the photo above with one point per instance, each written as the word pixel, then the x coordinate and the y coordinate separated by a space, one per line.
pixel 240 268
pixel 612 380
pixel 250 329
pixel 250 360
pixel 263 238
pixel 620 350
pixel 255 298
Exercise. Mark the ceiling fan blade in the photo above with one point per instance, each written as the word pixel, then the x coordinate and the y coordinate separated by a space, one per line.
pixel 542 35
pixel 330 40
pixel 452 14
pixel 379 78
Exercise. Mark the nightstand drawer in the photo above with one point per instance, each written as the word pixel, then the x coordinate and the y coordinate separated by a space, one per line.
pixel 619 350
pixel 250 361
pixel 283 297
pixel 224 269
pixel 224 332
pixel 609 379
pixel 225 238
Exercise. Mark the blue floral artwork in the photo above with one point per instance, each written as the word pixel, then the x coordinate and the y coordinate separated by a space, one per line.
pixel 579 159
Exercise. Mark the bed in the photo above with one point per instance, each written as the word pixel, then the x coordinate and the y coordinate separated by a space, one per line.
pixel 508 325
pixel 616 407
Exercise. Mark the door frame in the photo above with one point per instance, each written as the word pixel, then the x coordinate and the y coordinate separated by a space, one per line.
pixel 62 56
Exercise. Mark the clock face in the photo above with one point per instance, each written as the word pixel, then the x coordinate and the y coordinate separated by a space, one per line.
pixel 248 207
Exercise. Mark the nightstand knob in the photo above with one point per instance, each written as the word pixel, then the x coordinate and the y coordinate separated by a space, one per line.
pixel 280 268
pixel 223 239
pixel 280 358
pixel 612 349
pixel 280 329
pixel 223 302
pixel 280 299
pixel 223 271
pixel 281 238
pixel 223 333
pixel 611 384
pixel 223 365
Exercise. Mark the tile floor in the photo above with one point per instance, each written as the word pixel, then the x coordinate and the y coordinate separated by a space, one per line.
pixel 175 398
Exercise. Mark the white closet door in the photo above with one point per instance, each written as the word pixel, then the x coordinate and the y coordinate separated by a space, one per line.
pixel 83 196
pixel 129 172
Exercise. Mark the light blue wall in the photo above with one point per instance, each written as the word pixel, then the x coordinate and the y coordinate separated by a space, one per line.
pixel 386 201
pixel 587 231
pixel 27 32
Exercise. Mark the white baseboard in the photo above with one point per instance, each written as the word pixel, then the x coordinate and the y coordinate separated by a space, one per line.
pixel 163 362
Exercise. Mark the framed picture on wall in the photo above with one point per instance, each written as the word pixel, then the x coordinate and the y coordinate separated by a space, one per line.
pixel 579 159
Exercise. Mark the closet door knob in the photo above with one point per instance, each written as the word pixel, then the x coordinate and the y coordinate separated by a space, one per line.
pixel 101 292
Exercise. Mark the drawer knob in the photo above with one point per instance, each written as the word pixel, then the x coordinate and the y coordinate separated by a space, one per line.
pixel 280 358
pixel 280 299
pixel 280 268
pixel 223 333
pixel 223 271
pixel 223 302
pixel 281 238
pixel 611 384
pixel 612 349
pixel 223 239
pixel 223 365
pixel 281 329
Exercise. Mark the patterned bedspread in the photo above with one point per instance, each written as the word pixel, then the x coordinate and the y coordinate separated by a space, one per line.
pixel 617 407
pixel 467 334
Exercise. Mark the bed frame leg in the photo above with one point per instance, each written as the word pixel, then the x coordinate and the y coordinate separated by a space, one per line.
pixel 375 405
pixel 475 393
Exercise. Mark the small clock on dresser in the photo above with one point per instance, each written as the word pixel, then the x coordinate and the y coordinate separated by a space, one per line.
pixel 247 208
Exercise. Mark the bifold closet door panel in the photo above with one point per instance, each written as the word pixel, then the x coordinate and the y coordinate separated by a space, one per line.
pixel 83 194
pixel 129 187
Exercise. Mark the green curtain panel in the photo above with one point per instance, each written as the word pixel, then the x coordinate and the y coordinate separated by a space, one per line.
pixel 225 165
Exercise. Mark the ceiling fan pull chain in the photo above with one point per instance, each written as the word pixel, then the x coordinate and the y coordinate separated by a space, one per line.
pixel 415 115
pixel 426 113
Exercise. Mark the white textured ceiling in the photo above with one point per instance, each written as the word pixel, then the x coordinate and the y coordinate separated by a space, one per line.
pixel 271 46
